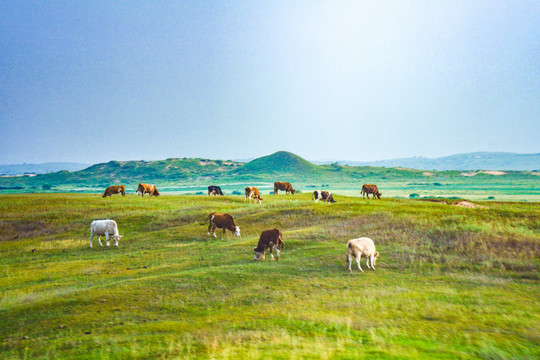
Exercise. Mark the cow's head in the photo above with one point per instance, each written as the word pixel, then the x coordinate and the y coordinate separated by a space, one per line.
pixel 293 191
pixel 258 254
pixel 378 194
pixel 237 231
pixel 116 238
pixel 375 257
pixel 156 193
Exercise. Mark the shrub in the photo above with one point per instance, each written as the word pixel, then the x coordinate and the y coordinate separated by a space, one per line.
pixel 46 187
pixel 414 196
pixel 236 192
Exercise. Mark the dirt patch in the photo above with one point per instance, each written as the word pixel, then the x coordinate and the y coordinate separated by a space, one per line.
pixel 488 172
pixel 493 172
pixel 467 204
pixel 204 163
pixel 427 173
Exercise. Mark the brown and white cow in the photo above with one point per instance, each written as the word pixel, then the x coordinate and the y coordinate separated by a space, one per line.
pixel 370 189
pixel 115 189
pixel 268 240
pixel 147 189
pixel 252 192
pixel 287 187
pixel 222 221
pixel 325 196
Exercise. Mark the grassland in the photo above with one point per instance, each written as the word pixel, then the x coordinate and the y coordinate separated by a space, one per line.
pixel 451 282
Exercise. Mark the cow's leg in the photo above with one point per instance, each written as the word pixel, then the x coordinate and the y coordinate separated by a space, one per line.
pixel 358 261
pixel 367 262
pixel 99 240
pixel 349 259
pixel 107 237
pixel 371 260
pixel 91 237
pixel 278 253
pixel 223 232
pixel 209 228
pixel 115 240
pixel 271 252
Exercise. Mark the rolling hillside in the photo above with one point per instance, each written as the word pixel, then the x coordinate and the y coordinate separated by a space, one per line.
pixel 188 175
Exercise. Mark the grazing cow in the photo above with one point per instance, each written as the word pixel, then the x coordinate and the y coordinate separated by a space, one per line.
pixel 370 189
pixel 278 185
pixel 214 190
pixel 362 247
pixel 253 192
pixel 115 189
pixel 147 189
pixel 269 239
pixel 105 228
pixel 323 196
pixel 222 221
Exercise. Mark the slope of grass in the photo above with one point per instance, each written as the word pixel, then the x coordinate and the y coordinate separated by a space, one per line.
pixel 195 175
pixel 450 282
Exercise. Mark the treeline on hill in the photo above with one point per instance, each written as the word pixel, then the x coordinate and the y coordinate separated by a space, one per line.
pixel 278 166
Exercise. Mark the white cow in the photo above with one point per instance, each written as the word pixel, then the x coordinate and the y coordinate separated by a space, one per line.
pixel 362 246
pixel 105 228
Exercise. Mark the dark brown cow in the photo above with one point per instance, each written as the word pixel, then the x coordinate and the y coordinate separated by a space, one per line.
pixel 253 192
pixel 370 189
pixel 323 196
pixel 222 221
pixel 115 189
pixel 147 189
pixel 269 239
pixel 287 187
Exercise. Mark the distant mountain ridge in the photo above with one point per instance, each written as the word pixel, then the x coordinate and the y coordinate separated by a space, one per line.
pixel 50 167
pixel 469 161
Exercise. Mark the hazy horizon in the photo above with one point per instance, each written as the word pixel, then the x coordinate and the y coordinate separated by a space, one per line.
pixel 344 80
pixel 253 158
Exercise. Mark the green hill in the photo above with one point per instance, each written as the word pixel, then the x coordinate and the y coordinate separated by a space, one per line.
pixel 280 163
pixel 193 175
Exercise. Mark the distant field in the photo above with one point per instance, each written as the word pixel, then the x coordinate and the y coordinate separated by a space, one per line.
pixel 475 191
pixel 451 282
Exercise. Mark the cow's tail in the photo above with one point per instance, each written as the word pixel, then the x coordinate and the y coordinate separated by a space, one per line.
pixel 280 241
pixel 350 251
pixel 206 221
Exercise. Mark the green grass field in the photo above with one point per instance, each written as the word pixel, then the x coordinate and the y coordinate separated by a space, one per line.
pixel 451 282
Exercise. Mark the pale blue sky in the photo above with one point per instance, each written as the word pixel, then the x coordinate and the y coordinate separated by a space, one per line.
pixel 93 81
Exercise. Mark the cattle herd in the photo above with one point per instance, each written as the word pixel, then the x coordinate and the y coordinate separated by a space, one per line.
pixel 269 240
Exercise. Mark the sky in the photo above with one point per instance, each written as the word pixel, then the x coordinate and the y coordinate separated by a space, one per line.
pixel 94 81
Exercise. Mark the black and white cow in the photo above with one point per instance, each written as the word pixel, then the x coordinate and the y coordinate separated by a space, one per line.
pixel 214 190
pixel 323 196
